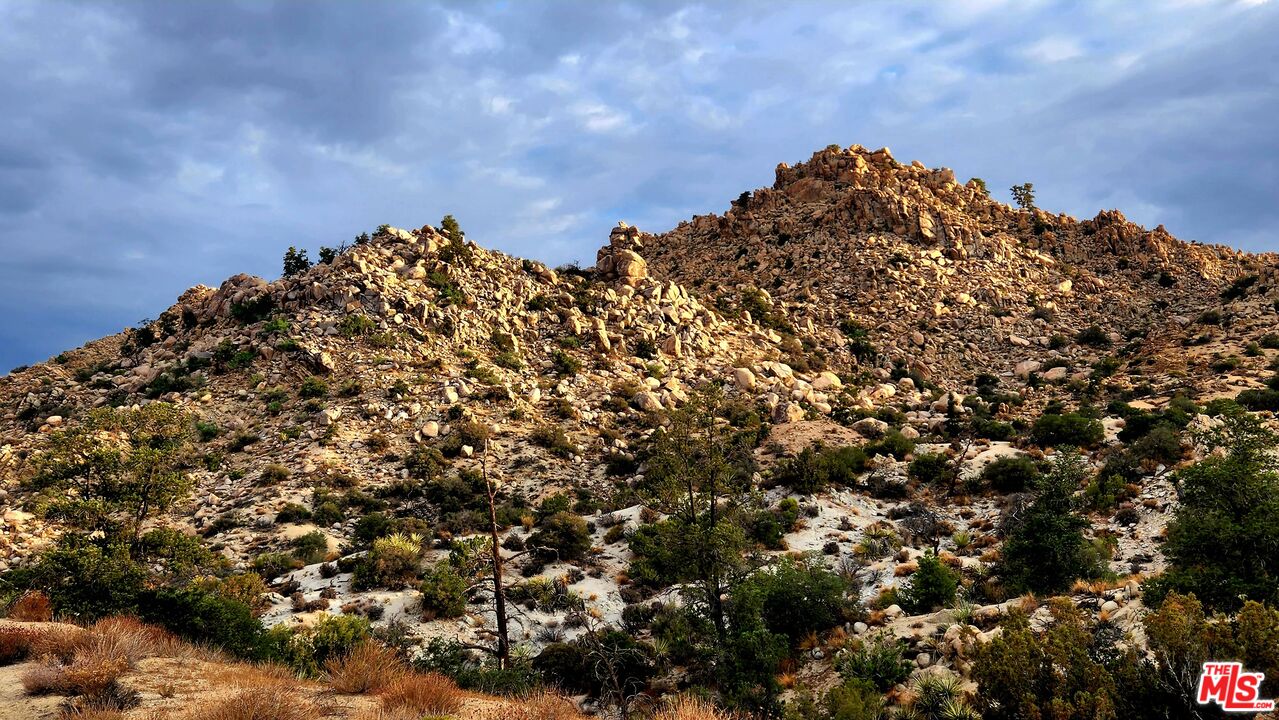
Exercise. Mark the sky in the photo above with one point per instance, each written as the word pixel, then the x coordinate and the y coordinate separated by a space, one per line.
pixel 149 146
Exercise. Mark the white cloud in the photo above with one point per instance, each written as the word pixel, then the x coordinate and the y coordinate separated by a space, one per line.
pixel 1053 49
pixel 600 118
pixel 467 36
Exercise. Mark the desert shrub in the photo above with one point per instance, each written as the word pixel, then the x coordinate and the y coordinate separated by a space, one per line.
pixel 1182 637
pixel 204 617
pixel 1022 674
pixel 1092 335
pixel 932 468
pixel 443 592
pixel 272 565
pixel 932 586
pixel 854 699
pixel 1010 474
pixel 426 463
pixel 1051 430
pixel 818 467
pixel 1258 400
pixel 1239 287
pixel 561 537
pixel 474 434
pixel 255 310
pixel 553 438
pixel 356 324
pixel 769 526
pixel 893 443
pixel 31 606
pixel 798 597
pixel 540 705
pixel 1046 550
pixel 391 562
pixel 879 660
pixel 565 364
pixel 684 707
pixel 87 578
pixel 268 702
pixel 274 473
pixel 293 513
pixel 1229 510
pixel 311 547
pixel 423 693
pixel 369 666
pixel 313 387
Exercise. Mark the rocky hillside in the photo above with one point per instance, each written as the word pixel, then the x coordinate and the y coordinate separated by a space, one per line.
pixel 946 279
pixel 859 303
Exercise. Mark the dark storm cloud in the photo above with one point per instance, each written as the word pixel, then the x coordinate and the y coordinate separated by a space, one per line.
pixel 147 147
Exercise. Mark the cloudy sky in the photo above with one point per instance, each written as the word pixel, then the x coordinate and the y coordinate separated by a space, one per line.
pixel 149 146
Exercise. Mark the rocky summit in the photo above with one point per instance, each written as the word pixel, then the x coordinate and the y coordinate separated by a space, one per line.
pixel 901 367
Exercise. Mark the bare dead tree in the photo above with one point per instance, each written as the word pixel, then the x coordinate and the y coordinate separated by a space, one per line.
pixel 499 592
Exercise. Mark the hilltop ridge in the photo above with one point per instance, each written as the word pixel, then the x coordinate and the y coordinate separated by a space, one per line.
pixel 862 319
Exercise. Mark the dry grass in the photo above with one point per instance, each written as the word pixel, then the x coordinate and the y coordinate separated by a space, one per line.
pixel 260 703
pixel 16 642
pixel 44 680
pixel 429 693
pixel 685 708
pixel 384 714
pixel 58 641
pixel 75 713
pixel 369 667
pixel 131 640
pixel 540 706
pixel 31 606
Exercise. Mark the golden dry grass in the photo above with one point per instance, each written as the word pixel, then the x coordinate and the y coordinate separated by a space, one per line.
pixel 261 703
pixel 426 693
pixel 31 606
pixel 540 706
pixel 369 667
pixel 685 708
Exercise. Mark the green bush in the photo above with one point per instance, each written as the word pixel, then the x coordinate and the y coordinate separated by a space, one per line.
pixel 426 463
pixel 798 597
pixel 274 564
pixel 1092 335
pixel 1010 474
pixel 878 660
pixel 391 562
pixel 893 443
pixel 932 586
pixel 565 364
pixel 311 547
pixel 1051 430
pixel 274 474
pixel 1228 515
pixel 356 324
pixel 443 592
pixel 553 438
pixel 1023 675
pixel 854 699
pixel 818 467
pixel 86 578
pixel 1045 551
pixel 561 537
pixel 295 261
pixel 932 468
pixel 204 617
pixel 313 387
